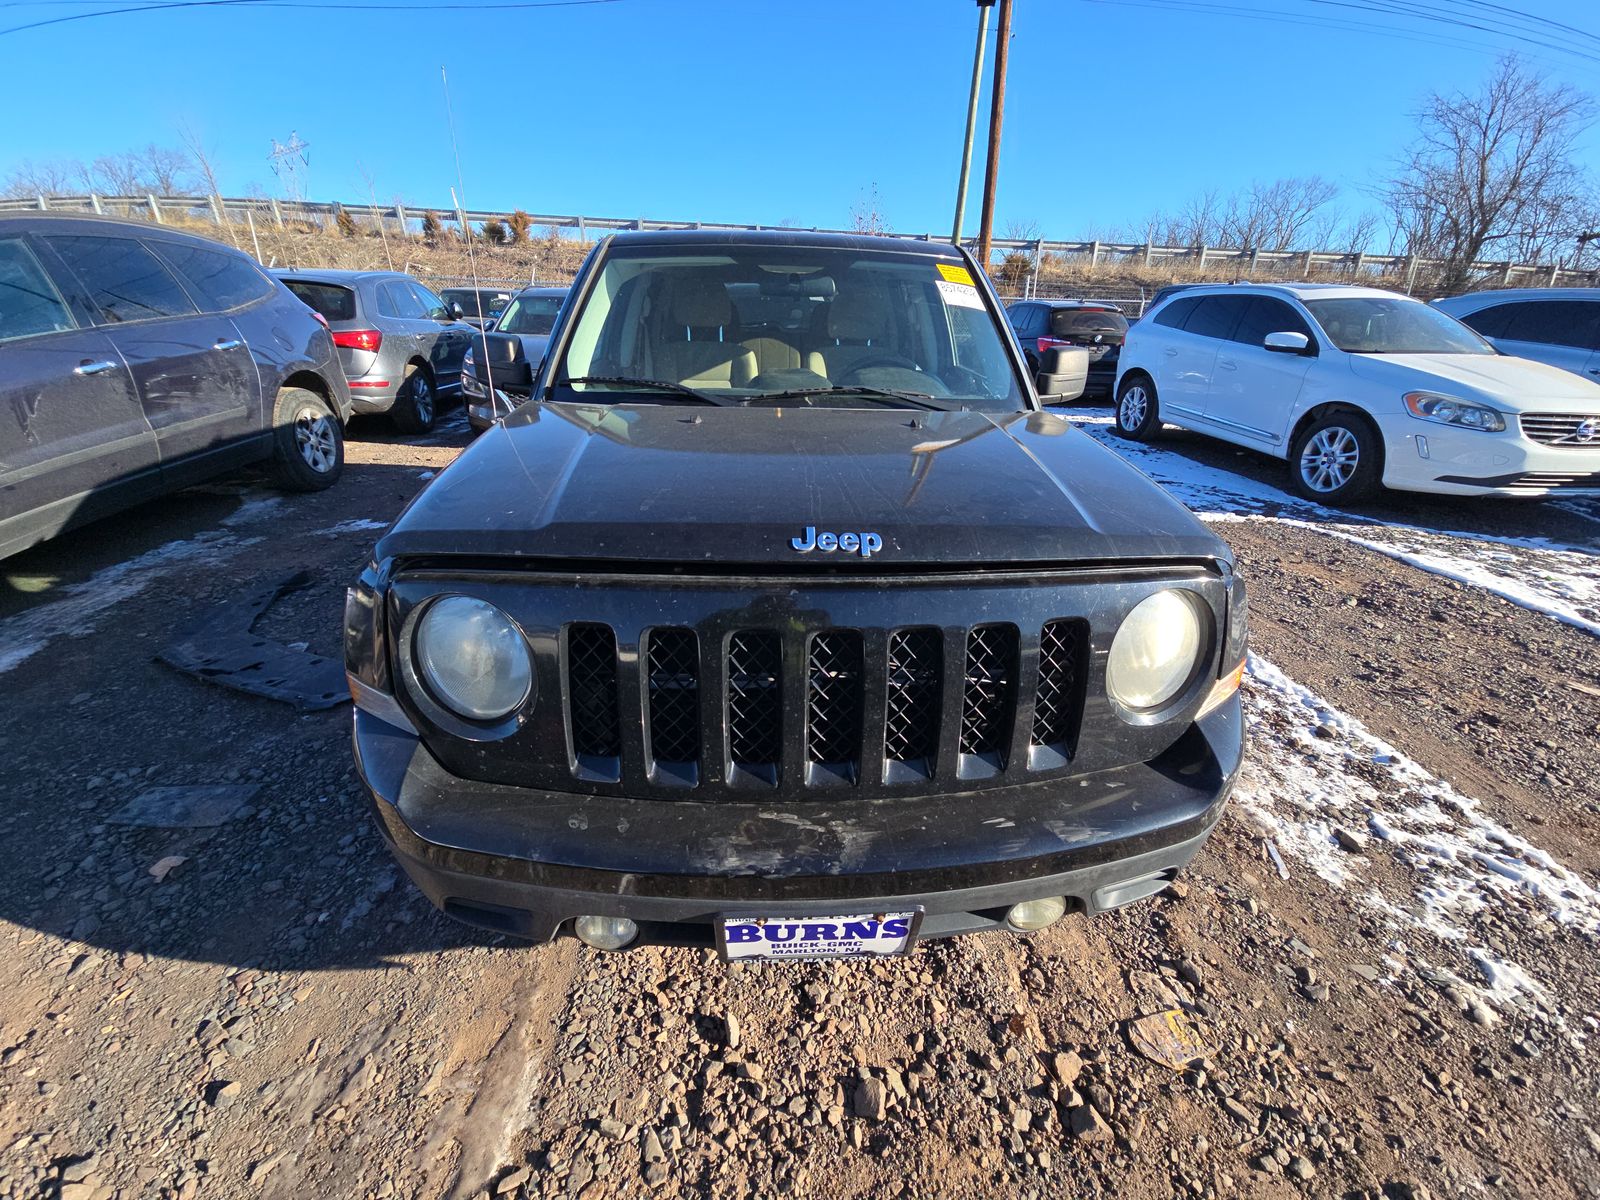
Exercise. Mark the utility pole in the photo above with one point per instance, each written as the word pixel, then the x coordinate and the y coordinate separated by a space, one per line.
pixel 997 112
pixel 972 118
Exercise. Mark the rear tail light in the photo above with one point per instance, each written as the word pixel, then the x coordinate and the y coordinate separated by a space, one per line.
pixel 1052 343
pixel 358 339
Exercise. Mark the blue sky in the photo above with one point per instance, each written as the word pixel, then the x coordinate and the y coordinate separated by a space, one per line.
pixel 754 110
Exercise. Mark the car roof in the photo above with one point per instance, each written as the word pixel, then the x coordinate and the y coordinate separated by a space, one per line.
pixel 132 225
pixel 1508 295
pixel 543 290
pixel 1303 291
pixel 706 238
pixel 334 275
pixel 1103 305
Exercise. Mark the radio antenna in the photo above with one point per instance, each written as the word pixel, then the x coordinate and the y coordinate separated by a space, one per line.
pixel 466 232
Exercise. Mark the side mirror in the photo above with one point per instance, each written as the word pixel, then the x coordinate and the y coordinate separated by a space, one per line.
pixel 1288 343
pixel 456 310
pixel 1063 374
pixel 503 359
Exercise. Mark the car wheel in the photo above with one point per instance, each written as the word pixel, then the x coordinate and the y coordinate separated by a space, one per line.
pixel 415 404
pixel 308 443
pixel 1138 416
pixel 1336 459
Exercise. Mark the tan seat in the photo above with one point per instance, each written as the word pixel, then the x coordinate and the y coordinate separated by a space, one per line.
pixel 858 329
pixel 776 354
pixel 692 351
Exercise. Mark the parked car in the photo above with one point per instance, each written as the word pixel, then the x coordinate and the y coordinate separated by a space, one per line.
pixel 136 360
pixel 529 316
pixel 1359 388
pixel 477 306
pixel 805 660
pixel 1042 325
pixel 1559 326
pixel 401 345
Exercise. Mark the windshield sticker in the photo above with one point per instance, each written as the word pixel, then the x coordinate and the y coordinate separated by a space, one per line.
pixel 960 295
pixel 955 274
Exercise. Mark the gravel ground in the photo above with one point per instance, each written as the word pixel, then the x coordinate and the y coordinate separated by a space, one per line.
pixel 1390 941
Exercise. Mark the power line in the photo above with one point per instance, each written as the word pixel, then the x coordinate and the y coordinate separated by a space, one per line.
pixel 1427 12
pixel 316 4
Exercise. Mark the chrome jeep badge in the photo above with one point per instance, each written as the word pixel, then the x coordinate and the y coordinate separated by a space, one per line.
pixel 864 544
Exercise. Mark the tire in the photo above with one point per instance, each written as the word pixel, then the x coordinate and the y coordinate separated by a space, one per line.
pixel 1138 416
pixel 307 442
pixel 1337 459
pixel 416 404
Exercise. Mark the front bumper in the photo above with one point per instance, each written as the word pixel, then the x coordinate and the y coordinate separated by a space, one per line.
pixel 527 862
pixel 1428 457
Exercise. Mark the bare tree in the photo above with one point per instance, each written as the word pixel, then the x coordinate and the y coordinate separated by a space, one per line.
pixel 57 178
pixel 167 171
pixel 1281 215
pixel 202 158
pixel 1492 171
pixel 866 214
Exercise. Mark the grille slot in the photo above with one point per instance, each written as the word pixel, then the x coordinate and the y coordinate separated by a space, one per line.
pixel 834 700
pixel 592 692
pixel 755 702
pixel 911 717
pixel 674 678
pixel 1554 479
pixel 1058 703
pixel 1561 429
pixel 989 691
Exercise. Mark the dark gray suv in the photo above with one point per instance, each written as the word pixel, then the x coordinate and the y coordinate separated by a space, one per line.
pixel 135 360
pixel 401 345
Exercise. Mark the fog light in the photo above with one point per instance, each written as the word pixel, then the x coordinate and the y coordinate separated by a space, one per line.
pixel 1032 915
pixel 605 933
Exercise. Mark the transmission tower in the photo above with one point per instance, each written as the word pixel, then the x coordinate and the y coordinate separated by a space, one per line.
pixel 290 160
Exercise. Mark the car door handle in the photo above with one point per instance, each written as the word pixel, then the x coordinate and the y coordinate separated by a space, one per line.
pixel 228 344
pixel 1171 353
pixel 93 368
pixel 1227 364
pixel 1594 370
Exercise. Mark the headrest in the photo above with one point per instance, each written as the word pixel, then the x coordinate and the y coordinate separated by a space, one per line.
pixel 858 317
pixel 700 303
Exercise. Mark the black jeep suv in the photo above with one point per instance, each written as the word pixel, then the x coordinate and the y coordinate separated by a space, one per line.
pixel 809 638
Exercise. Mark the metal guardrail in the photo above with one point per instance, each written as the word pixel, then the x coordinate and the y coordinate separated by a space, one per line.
pixel 245 210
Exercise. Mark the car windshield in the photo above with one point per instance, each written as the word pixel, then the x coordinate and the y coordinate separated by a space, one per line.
pixel 1385 325
pixel 808 325
pixel 530 314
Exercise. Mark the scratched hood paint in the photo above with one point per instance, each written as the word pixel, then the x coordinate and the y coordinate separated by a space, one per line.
pixel 686 484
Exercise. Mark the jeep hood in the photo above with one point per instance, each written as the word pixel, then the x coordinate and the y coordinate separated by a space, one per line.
pixel 695 485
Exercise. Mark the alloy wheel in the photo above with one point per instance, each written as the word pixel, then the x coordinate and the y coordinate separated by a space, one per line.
pixel 1130 413
pixel 315 439
pixel 1329 459
pixel 422 397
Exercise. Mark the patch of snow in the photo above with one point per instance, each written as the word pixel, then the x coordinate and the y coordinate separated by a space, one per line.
pixel 359 525
pixel 252 509
pixel 79 607
pixel 1316 769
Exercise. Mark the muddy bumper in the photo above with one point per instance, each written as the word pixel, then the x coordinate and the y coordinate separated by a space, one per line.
pixel 527 862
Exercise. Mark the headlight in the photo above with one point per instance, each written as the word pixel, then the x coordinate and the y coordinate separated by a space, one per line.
pixel 1155 651
pixel 1447 410
pixel 469 375
pixel 473 658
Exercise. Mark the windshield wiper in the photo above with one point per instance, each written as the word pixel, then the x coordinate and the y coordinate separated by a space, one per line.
pixel 882 395
pixel 655 385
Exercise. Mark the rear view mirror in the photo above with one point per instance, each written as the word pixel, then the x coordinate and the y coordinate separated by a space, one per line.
pixel 1288 343
pixel 1063 373
pixel 502 362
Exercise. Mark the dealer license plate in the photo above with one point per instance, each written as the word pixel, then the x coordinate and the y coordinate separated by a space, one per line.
pixel 862 935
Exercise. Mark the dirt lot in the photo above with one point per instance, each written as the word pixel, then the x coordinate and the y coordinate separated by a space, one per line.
pixel 1391 939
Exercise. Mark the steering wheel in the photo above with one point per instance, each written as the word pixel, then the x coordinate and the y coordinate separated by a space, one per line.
pixel 881 360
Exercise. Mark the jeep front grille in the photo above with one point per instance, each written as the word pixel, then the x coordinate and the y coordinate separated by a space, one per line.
pixel 1058 703
pixel 833 699
pixel 988 697
pixel 674 659
pixel 889 707
pixel 911 721
pixel 592 691
pixel 755 702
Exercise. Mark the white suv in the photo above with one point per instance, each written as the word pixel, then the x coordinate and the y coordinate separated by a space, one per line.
pixel 1358 388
